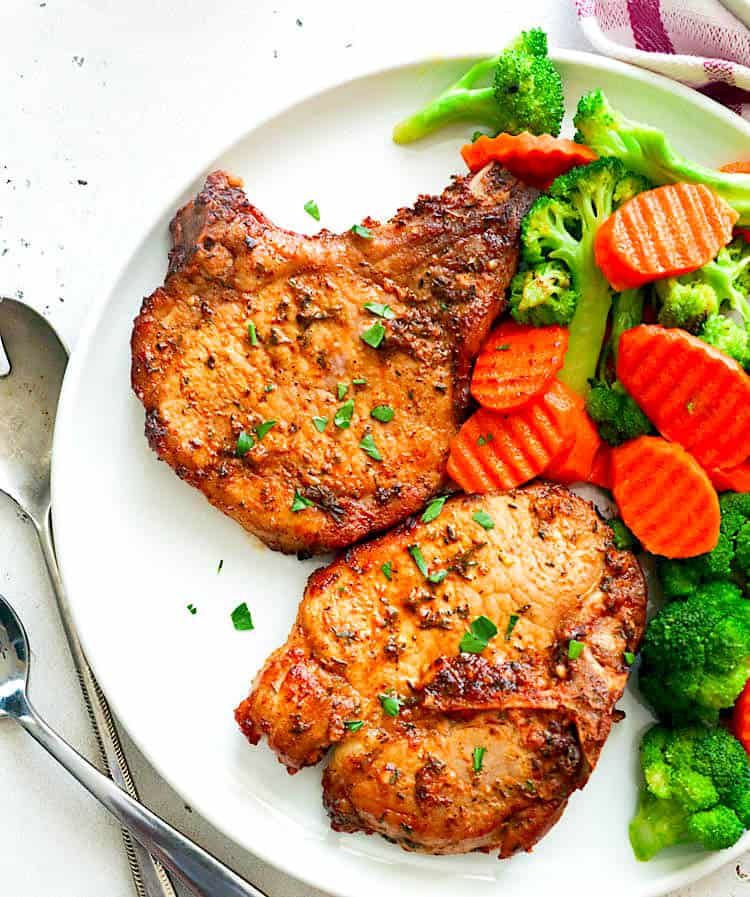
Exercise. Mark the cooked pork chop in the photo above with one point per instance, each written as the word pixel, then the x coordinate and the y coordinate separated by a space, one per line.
pixel 255 325
pixel 486 747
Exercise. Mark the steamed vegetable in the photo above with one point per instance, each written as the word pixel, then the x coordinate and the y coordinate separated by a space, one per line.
pixel 525 94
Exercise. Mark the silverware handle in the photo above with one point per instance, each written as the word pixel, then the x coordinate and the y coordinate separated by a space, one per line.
pixel 149 876
pixel 192 865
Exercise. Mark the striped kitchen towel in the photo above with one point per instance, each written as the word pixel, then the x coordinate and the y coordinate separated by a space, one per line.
pixel 703 43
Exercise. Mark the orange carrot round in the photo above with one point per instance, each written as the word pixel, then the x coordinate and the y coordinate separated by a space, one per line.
pixel 601 467
pixel 517 362
pixel 574 464
pixel 739 168
pixel 731 479
pixel 741 718
pixel 693 393
pixel 501 451
pixel 665 497
pixel 663 232
pixel 536 159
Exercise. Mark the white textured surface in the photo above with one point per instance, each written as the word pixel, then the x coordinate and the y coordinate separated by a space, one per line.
pixel 107 106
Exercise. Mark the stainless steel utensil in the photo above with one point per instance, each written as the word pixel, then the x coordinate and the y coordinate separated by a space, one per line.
pixel 192 865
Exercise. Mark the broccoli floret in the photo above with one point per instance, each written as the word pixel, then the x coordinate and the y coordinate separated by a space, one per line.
pixel 728 336
pixel 615 413
pixel 696 789
pixel 559 230
pixel 696 654
pixel 646 151
pixel 622 537
pixel 525 94
pixel 685 304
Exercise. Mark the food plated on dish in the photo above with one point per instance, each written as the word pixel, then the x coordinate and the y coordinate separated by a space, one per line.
pixel 555 437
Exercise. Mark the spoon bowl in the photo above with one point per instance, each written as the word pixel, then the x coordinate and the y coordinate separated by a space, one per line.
pixel 14 662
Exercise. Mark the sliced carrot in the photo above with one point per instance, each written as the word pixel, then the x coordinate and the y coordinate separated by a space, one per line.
pixel 536 159
pixel 739 168
pixel 741 718
pixel 501 451
pixel 731 479
pixel 663 232
pixel 601 467
pixel 693 393
pixel 665 497
pixel 517 362
pixel 574 464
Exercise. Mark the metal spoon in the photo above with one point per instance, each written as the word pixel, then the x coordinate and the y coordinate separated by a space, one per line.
pixel 195 868
pixel 32 365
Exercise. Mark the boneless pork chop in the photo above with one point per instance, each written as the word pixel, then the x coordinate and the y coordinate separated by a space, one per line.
pixel 296 341
pixel 484 748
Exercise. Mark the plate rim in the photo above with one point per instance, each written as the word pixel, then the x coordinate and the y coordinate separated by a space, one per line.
pixel 97 310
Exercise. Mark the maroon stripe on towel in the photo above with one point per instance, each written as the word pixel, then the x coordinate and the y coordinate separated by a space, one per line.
pixel 648 29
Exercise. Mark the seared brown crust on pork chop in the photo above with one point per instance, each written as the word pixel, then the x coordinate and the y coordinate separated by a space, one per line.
pixel 362 635
pixel 441 267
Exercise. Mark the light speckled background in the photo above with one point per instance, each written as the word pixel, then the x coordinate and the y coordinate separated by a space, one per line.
pixel 108 107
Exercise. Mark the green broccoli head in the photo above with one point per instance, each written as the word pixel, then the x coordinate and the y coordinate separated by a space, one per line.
pixel 696 789
pixel 685 304
pixel 696 654
pixel 623 539
pixel 525 94
pixel 543 295
pixel 646 151
pixel 728 336
pixel 615 413
pixel 559 228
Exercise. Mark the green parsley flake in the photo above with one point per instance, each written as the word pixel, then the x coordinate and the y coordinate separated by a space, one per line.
pixel 387 570
pixel 262 429
pixel 343 417
pixel 242 618
pixel 353 725
pixel 362 231
pixel 368 447
pixel 193 609
pixel 575 649
pixel 511 626
pixel 433 509
pixel 629 658
pixel 300 502
pixel 437 577
pixel 478 636
pixel 320 423
pixel 374 336
pixel 484 440
pixel 416 552
pixel 483 519
pixel 383 413
pixel 269 388
pixel 360 381
pixel 219 568
pixel 244 443
pixel 252 333
pixel 381 310
pixel 504 348
pixel 477 758
pixel 341 390
pixel 311 207
pixel 390 702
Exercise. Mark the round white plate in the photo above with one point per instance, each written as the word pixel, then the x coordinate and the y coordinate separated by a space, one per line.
pixel 137 545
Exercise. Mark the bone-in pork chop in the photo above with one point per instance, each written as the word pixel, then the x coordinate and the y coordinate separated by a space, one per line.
pixel 310 386
pixel 440 749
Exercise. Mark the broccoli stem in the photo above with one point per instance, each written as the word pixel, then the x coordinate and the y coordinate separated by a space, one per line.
pixel 456 104
pixel 659 823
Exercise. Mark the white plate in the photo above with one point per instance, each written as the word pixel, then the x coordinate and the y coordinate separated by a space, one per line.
pixel 137 545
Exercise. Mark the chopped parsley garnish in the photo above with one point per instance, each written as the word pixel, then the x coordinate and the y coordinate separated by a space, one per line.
pixel 341 390
pixel 193 609
pixel 320 423
pixel 477 758
pixel 416 552
pixel 383 413
pixel 437 577
pixel 511 626
pixel 483 519
pixel 360 381
pixel 381 310
pixel 244 443
pixel 311 207
pixel 387 570
pixel 504 348
pixel 241 617
pixel 390 702
pixel 300 502
pixel 353 725
pixel 433 509
pixel 252 333
pixel 269 388
pixel 477 636
pixel 362 231
pixel 483 440
pixel 374 335
pixel 262 429
pixel 629 658
pixel 575 649
pixel 343 416
pixel 369 448
pixel 219 568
